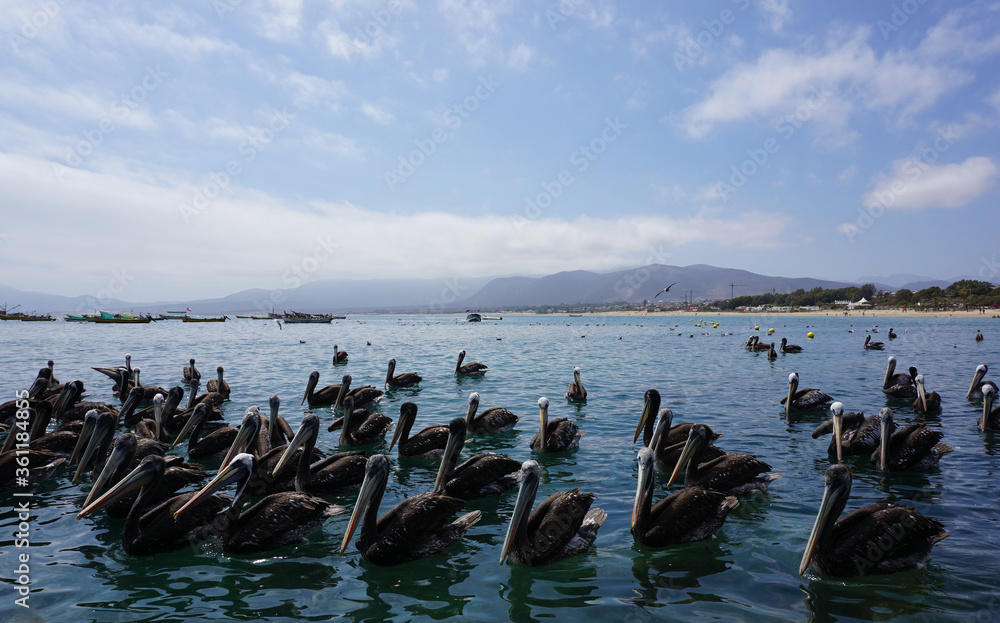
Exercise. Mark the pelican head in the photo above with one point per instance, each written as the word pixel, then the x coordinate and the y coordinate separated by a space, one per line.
pixel 148 472
pixel 247 434
pixel 837 410
pixel 345 387
pixel 529 477
pixel 89 424
pixel 200 412
pixel 793 385
pixel 122 452
pixel 311 385
pixel 456 439
pixel 890 369
pixel 348 414
pixel 650 405
pixel 389 372
pixel 835 495
pixel 644 488
pixel 370 495
pixel 697 438
pixel 543 414
pixel 407 415
pixel 921 392
pixel 473 407
pixel 988 398
pixel 885 422
pixel 977 378
pixel 240 469
pixel 308 428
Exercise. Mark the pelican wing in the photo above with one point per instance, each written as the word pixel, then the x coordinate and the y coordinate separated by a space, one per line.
pixel 484 474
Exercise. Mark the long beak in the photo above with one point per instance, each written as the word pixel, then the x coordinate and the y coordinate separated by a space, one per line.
pixel 297 441
pixel 368 488
pixel 188 426
pixel 136 479
pixel 64 397
pixel 114 462
pixel 976 380
pixel 883 447
pixel 543 414
pixel 825 506
pixel 683 459
pixel 310 386
pixel 987 407
pixel 450 448
pixel 922 396
pixel 525 496
pixel 96 437
pixel 232 472
pixel 37 387
pixel 838 431
pixel 244 437
pixel 158 418
pixel 647 412
pixel 645 473
pixel 788 399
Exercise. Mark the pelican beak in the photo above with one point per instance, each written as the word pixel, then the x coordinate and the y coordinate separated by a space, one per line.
pixel 396 434
pixel 244 437
pixel 453 447
pixel 976 380
pixel 830 496
pixel 987 407
pixel 368 488
pixel 38 386
pixel 297 442
pixel 641 490
pixel 543 415
pixel 232 472
pixel 692 443
pixel 96 437
pixel 89 422
pixel 838 431
pixel 136 479
pixel 883 447
pixel 197 414
pixel 922 396
pixel 788 399
pixel 525 496
pixel 310 386
pixel 647 412
pixel 114 462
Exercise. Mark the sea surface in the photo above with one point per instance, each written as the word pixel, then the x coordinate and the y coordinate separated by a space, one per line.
pixel 79 572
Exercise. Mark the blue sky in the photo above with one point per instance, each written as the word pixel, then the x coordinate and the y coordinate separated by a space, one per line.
pixel 193 149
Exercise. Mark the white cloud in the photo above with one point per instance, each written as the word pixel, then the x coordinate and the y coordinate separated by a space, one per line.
pixel 440 75
pixel 378 114
pixel 519 57
pixel 848 174
pixel 476 22
pixel 914 184
pixel 278 20
pixel 777 13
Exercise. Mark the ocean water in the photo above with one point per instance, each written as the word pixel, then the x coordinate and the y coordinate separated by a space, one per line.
pixel 79 572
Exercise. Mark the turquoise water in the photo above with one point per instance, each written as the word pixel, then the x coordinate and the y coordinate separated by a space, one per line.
pixel 79 571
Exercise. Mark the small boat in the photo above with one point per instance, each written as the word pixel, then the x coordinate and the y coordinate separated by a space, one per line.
pixel 492 317
pixel 209 319
pixel 74 318
pixel 109 318
pixel 474 318
pixel 253 317
pixel 312 319
pixel 37 318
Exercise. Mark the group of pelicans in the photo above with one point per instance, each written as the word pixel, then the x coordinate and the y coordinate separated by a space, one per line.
pixel 134 477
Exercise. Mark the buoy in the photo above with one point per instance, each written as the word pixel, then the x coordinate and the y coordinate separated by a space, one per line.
pixel 756 327
pixel 810 335
pixel 770 331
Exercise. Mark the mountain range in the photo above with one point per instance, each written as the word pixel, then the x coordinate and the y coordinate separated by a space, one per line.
pixel 698 282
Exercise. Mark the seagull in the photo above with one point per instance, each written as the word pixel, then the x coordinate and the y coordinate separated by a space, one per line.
pixel 666 289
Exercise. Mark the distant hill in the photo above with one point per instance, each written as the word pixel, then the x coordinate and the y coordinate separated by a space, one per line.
pixel 699 282
pixel 908 281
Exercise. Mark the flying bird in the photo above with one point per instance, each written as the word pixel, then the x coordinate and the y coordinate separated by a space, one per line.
pixel 666 289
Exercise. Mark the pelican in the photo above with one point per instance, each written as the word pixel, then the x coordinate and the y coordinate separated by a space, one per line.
pixel 771 353
pixel 428 443
pixel 218 384
pixel 991 415
pixel 757 345
pixel 415 528
pixel 116 373
pixel 361 427
pixel 332 475
pixel 364 396
pixel 691 514
pixel 734 474
pixel 189 372
pixel 41 464
pixel 899 386
pixel 278 430
pixel 870 345
pixel 406 379
pixel 789 348
pixel 805 399
pixel 892 335
pixel 576 391
pixel 482 475
pixel 489 422
pixel 926 402
pixel 677 434
pixel 878 538
pixel 156 530
pixel 277 520
pixel 218 442
pixel 908 448
pixel 667 442
pixel 562 526
pixel 555 436
pixel 339 356
pixel 470 369
pixel 148 391
pixel 53 381
pixel 976 388
pixel 853 433
pixel 68 406
pixel 322 398
pixel 979 338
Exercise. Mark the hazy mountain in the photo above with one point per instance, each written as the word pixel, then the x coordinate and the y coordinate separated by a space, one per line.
pixel 899 280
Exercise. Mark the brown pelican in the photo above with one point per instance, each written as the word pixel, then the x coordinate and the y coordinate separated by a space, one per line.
pixel 771 353
pixel 926 402
pixel 870 345
pixel 278 431
pixel 979 338
pixel 156 530
pixel 216 443
pixel 53 381
pixel 757 345
pixel 576 391
pixel 277 520
pixel 148 391
pixel 909 448
pixel 734 474
pixel 364 396
pixel 406 379
pixel 428 443
pixel 668 442
pixel 67 405
pixel 32 431
pixel 789 348
pixel 853 433
pixel 361 426
pixel 991 415
pixel 482 475
pixel 40 465
pixel 322 398
pixel 415 528
pixel 339 356
pixel 899 386
pixel 749 342
pixel 805 399
pixel 470 369
pixel 878 538
pixel 563 525
pixel 95 443
pixel 555 436
pixel 691 514
pixel 976 388
pixel 218 384
pixel 491 421
pixel 189 372
pixel 677 434
pixel 332 475
pixel 892 335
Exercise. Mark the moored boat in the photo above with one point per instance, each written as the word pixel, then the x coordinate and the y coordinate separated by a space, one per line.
pixel 474 318
pixel 208 319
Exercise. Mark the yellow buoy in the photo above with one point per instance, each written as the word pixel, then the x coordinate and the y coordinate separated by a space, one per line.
pixel 770 331
pixel 756 327
pixel 810 335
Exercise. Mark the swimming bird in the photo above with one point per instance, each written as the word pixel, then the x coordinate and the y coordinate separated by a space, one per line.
pixel 189 372
pixel 218 384
pixel 892 335
pixel 874 539
pixel 928 402
pixel 53 381
pixel 117 372
pixel 562 526
pixel 469 369
pixel 484 474
pixel 152 530
pixel 339 356
pixel 759 346
pixel 278 431
pixel 363 396
pixel 691 514
pixel 406 379
pixel 647 421
pixel 323 397
pixel 277 520
pixel 667 442
pixel 666 289
pixel 771 353
pixel 853 433
pixel 976 388
pixel 805 399
pixel 870 345
pixel 148 391
pixel 428 443
pixel 218 442
pixel 555 436
pixel 979 337
pixel 991 415
pixel 491 421
pixel 417 527
pixel 733 474
pixel 899 386
pixel 360 426
pixel 910 448
pixel 576 391
pixel 40 465
pixel 331 475
pixel 789 348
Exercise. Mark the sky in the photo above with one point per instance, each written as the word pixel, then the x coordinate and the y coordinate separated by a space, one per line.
pixel 182 150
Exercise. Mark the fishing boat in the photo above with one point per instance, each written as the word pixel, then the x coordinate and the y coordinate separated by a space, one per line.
pixel 10 314
pixel 474 318
pixel 37 317
pixel 208 319
pixel 173 315
pixel 77 318
pixel 300 318
pixel 109 318
pixel 253 317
